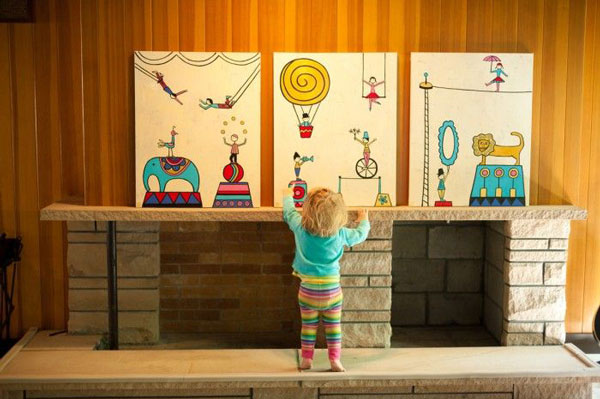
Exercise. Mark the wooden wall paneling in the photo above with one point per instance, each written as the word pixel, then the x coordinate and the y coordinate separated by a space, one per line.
pixel 504 25
pixel 592 263
pixel 91 102
pixel 412 29
pixel 165 24
pixel 342 26
pixel 553 92
pixel 241 22
pixel 137 35
pixel 8 206
pixel 530 37
pixel 26 193
pixel 370 22
pixel 355 25
pixel 479 25
pixel 576 160
pixel 289 26
pixel 47 125
pixel 397 27
pixel 218 26
pixel 383 25
pixel 322 29
pixel 104 168
pixel 453 25
pixel 303 21
pixel 69 75
pixel 271 23
pixel 192 20
pixel 119 139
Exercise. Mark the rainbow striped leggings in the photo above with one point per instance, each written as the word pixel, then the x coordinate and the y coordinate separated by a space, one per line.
pixel 321 301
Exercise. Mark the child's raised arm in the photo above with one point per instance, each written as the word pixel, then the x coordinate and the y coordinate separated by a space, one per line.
pixel 355 236
pixel 290 214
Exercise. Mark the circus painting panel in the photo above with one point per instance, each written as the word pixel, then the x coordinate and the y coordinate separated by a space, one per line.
pixel 197 129
pixel 335 125
pixel 470 129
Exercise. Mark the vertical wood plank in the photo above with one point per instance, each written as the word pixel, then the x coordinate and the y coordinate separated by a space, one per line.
pixel 553 92
pixel 453 25
pixel 271 24
pixel 191 25
pixel 8 205
pixel 68 22
pixel 479 25
pixel 48 135
pixel 218 32
pixel 165 25
pixel 576 161
pixel 592 122
pixel 26 193
pixel 530 37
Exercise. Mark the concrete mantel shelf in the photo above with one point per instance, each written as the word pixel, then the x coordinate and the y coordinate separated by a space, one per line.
pixel 71 212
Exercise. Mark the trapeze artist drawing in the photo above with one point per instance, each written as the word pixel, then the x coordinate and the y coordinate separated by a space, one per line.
pixel 197 141
pixel 374 77
pixel 459 110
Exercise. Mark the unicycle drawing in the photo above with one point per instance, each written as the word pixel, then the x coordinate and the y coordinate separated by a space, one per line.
pixel 366 167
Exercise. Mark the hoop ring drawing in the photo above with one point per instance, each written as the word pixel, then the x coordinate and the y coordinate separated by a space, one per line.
pixel 441 134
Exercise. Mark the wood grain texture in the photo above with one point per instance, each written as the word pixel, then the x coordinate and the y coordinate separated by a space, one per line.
pixel 67 125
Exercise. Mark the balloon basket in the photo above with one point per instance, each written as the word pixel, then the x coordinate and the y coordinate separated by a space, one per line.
pixel 306 131
pixel 443 203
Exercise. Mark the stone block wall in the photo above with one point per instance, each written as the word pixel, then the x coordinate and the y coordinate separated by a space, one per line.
pixel 138 268
pixel 235 277
pixel 437 273
pixel 525 271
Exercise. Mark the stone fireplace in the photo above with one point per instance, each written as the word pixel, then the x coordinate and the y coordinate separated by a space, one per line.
pixel 220 278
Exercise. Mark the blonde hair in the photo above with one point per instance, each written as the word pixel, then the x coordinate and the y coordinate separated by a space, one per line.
pixel 324 212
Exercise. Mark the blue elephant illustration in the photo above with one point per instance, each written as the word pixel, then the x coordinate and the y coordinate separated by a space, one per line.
pixel 170 168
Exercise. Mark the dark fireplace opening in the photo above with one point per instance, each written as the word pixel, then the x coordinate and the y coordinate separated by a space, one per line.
pixel 439 287
pixel 227 285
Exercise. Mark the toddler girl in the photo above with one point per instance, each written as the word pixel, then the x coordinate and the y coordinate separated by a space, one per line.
pixel 320 237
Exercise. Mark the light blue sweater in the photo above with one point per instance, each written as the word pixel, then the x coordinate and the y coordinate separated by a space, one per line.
pixel 320 256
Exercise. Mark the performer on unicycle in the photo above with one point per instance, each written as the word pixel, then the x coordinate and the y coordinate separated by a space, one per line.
pixel 365 142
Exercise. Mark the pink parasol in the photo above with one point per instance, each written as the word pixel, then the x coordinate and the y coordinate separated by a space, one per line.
pixel 492 58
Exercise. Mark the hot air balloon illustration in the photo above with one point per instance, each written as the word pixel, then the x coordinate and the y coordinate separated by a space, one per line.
pixel 304 83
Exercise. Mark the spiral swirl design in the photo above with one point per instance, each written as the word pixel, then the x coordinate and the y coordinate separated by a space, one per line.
pixel 304 81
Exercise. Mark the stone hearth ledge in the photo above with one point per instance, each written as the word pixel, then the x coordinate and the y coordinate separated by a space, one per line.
pixel 498 372
pixel 71 212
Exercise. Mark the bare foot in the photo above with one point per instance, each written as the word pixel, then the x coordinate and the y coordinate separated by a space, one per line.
pixel 336 365
pixel 306 364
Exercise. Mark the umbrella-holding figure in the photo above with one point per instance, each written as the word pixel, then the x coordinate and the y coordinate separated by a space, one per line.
pixel 499 71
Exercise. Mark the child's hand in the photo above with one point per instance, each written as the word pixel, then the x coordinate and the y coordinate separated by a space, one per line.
pixel 287 192
pixel 363 214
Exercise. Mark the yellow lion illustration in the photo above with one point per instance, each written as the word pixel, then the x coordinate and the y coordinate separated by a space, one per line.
pixel 485 145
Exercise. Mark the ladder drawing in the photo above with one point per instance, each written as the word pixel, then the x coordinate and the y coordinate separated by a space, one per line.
pixel 426 86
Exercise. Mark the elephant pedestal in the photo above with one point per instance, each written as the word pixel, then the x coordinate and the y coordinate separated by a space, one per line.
pixel 157 199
